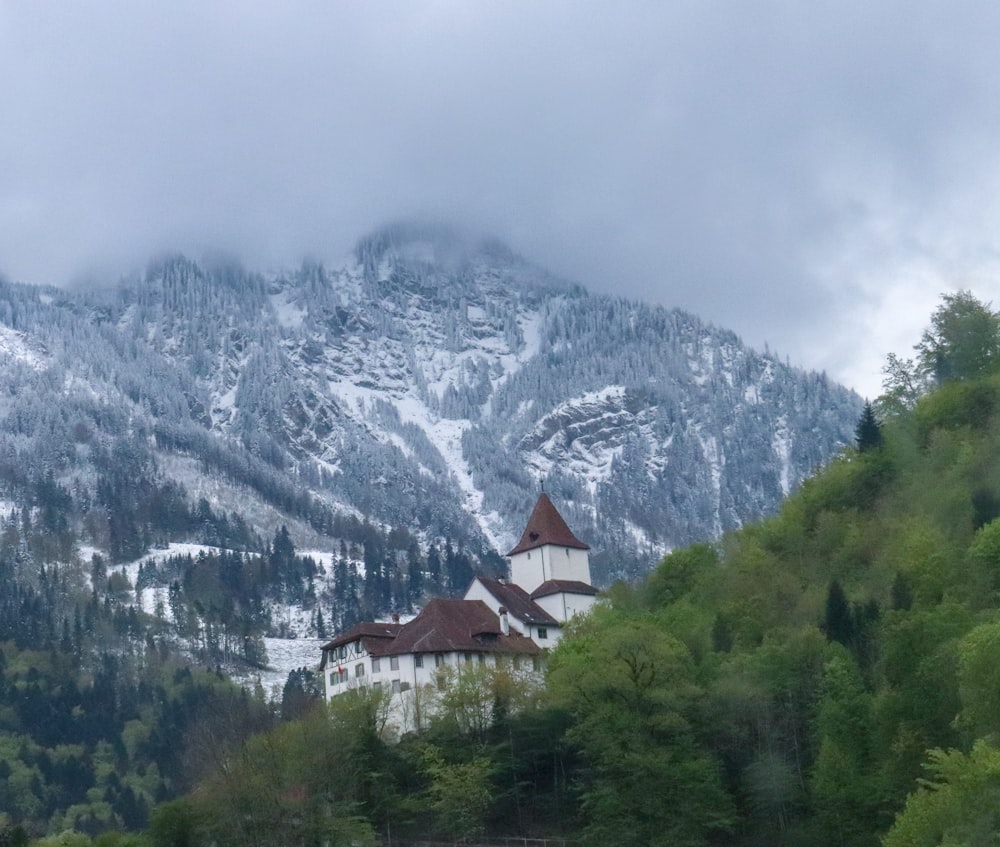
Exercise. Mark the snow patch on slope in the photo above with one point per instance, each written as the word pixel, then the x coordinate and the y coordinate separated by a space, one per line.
pixel 289 315
pixel 18 347
pixel 582 435
pixel 781 443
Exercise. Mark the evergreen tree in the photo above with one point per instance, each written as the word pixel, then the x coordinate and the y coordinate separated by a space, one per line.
pixel 838 623
pixel 868 432
pixel 415 575
pixel 434 565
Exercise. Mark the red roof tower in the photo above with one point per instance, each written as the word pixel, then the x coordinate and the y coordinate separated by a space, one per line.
pixel 546 526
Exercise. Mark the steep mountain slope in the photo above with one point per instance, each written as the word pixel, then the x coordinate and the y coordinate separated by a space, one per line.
pixel 429 383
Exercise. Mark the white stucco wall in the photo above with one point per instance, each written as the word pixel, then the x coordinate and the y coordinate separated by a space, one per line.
pixel 563 606
pixel 412 687
pixel 533 567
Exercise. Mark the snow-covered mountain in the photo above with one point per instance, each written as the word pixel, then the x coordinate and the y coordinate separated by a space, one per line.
pixel 429 383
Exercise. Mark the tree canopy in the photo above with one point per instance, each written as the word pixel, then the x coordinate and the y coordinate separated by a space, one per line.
pixel 963 340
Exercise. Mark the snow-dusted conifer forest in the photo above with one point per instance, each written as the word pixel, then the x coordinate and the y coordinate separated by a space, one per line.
pixel 427 388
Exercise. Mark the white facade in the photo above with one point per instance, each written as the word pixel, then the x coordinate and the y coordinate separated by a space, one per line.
pixel 531 568
pixel 411 679
pixel 564 605
pixel 399 673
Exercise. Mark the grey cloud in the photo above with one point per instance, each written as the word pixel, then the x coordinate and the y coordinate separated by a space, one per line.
pixel 767 165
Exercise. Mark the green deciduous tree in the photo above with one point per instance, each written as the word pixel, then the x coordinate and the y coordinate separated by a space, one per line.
pixel 963 341
pixel 630 688
pixel 459 793
pixel 902 385
pixel 957 804
pixel 310 782
pixel 979 681
pixel 844 782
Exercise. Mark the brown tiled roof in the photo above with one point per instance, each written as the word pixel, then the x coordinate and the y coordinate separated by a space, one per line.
pixel 546 526
pixel 449 626
pixel 518 603
pixel 563 586
pixel 368 632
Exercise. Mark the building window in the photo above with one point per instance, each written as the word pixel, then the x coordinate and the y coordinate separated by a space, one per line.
pixel 438 659
pixel 536 663
pixel 468 658
pixel 516 662
pixel 395 686
pixel 359 670
pixel 334 678
pixel 404 686
pixel 376 685
pixel 394 663
pixel 542 633
pixel 418 661
pixel 376 665
pixel 482 658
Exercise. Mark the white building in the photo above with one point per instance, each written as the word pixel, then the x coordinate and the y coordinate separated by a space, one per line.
pixel 495 622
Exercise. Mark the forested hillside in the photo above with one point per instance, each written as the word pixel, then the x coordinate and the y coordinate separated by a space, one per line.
pixel 202 460
pixel 429 384
pixel 825 676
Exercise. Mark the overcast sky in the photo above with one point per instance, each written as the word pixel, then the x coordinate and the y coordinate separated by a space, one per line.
pixel 811 175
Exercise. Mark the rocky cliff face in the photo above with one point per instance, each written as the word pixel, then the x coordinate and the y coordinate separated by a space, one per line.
pixel 428 382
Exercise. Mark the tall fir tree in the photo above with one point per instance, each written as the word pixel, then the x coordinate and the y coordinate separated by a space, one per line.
pixel 868 432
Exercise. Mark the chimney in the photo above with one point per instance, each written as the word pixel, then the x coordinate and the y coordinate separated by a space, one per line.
pixel 504 623
pixel 395 617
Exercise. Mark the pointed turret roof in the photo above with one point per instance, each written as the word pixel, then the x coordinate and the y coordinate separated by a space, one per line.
pixel 546 526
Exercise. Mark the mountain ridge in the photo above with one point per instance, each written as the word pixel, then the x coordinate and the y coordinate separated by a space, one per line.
pixel 432 381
